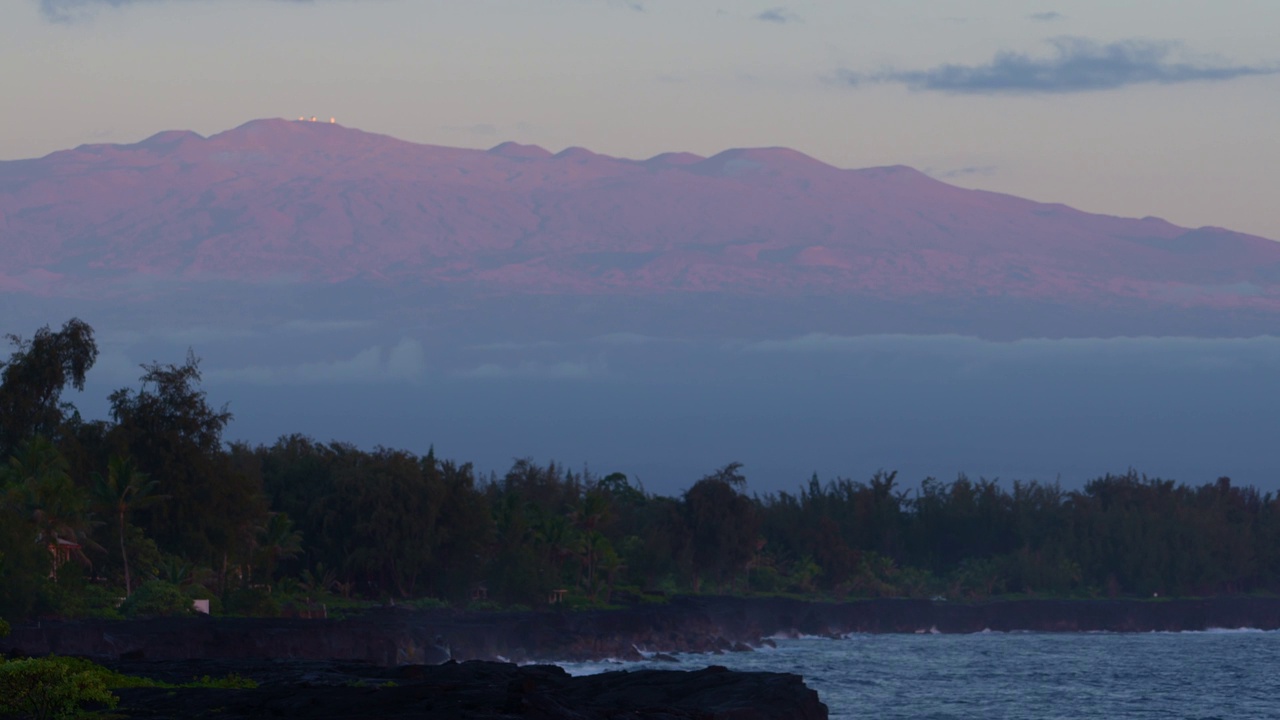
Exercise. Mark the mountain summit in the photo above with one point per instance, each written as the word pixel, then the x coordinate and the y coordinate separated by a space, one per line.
pixel 319 203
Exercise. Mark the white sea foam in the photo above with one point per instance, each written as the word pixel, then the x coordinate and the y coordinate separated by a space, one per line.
pixel 1214 631
pixel 595 667
pixel 793 635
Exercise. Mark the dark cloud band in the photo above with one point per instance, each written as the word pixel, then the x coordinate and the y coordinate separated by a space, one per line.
pixel 778 16
pixel 1076 65
pixel 69 10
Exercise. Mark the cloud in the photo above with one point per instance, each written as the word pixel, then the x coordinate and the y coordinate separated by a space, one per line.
pixel 560 370
pixel 1076 65
pixel 66 11
pixel 617 339
pixel 312 327
pixel 971 354
pixel 1046 16
pixel 403 363
pixel 779 16
pixel 968 170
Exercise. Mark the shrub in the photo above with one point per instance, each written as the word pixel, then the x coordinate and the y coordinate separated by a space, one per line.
pixel 156 598
pixel 87 601
pixel 428 603
pixel 200 592
pixel 110 678
pixel 484 606
pixel 46 689
pixel 4 628
pixel 253 602
pixel 230 682
pixel 765 579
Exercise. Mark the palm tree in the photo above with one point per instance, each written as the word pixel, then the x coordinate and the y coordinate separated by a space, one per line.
pixel 59 509
pixel 123 490
pixel 587 518
pixel 556 536
pixel 610 564
pixel 279 541
pixel 319 580
pixel 181 573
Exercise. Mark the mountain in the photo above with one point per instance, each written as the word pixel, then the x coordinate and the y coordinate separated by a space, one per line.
pixel 308 206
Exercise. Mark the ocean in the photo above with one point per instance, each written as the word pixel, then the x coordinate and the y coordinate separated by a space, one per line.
pixel 1200 675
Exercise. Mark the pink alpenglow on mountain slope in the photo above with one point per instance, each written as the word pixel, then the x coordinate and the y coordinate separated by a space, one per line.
pixel 307 202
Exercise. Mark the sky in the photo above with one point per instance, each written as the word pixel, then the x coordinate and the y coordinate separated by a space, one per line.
pixel 1125 107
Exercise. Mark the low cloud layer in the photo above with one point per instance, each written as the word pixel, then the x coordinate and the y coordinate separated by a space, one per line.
pixel 970 353
pixel 403 363
pixel 1075 65
pixel 1046 16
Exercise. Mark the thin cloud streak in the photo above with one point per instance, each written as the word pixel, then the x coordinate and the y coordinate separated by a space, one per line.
pixel 968 170
pixel 532 369
pixel 67 11
pixel 1076 65
pixel 971 353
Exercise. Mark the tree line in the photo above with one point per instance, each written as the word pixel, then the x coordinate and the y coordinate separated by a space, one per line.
pixel 153 500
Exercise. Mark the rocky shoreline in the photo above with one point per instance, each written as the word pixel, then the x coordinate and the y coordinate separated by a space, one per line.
pixel 400 663
pixel 392 636
pixel 476 689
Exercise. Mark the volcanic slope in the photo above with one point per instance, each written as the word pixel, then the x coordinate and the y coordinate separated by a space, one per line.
pixel 317 204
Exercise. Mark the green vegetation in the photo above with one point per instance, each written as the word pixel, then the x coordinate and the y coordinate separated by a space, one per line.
pixel 141 514
pixel 230 682
pixel 48 688
pixel 59 687
pixel 156 598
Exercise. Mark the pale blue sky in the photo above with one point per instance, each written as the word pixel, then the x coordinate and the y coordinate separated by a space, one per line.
pixel 1130 107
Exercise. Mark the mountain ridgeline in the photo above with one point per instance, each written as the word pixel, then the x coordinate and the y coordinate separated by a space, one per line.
pixel 275 207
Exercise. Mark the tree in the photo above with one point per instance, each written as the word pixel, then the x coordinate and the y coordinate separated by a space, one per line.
pixel 588 518
pixel 386 507
pixel 723 524
pixel 32 381
pixel 122 491
pixel 555 535
pixel 59 509
pixel 465 532
pixel 24 564
pixel 175 437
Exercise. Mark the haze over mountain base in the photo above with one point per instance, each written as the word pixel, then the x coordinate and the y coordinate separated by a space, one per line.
pixel 658 317
pixel 669 408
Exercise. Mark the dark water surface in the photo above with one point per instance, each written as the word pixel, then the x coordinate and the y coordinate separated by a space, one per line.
pixel 1215 674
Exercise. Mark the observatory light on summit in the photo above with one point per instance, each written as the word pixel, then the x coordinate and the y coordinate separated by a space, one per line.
pixel 303 118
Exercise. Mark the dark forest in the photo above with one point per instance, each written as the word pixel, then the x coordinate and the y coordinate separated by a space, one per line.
pixel 154 507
